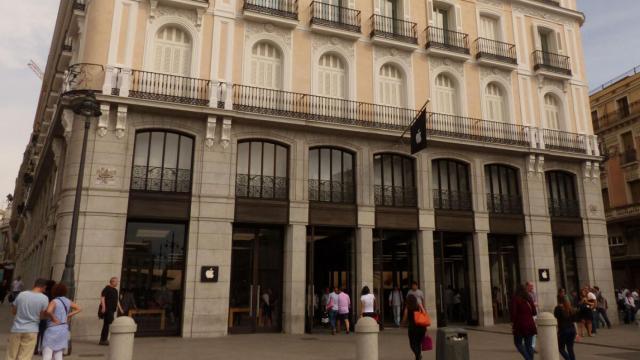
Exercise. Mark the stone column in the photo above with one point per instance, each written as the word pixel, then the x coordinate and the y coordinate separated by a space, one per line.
pixel 295 262
pixel 483 278
pixel 427 272
pixel 364 258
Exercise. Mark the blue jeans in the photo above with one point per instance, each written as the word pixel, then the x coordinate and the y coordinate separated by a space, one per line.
pixel 566 339
pixel 333 314
pixel 523 344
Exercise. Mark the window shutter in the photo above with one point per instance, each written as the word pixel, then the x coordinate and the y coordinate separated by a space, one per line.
pixel 559 42
pixel 458 18
pixel 173 51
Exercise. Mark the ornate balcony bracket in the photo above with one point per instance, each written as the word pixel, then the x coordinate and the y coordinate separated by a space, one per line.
pixel 121 121
pixel 103 120
pixel 124 81
pixel 210 139
pixel 67 123
pixel 586 171
pixel 225 136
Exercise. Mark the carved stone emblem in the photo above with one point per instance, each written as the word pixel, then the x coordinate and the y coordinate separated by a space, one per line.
pixel 105 176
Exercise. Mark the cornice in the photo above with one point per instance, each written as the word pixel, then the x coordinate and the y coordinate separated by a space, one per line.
pixel 551 12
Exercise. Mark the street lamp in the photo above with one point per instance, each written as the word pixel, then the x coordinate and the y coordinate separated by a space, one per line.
pixel 83 104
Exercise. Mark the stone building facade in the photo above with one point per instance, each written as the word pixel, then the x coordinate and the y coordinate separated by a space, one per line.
pixel 614 112
pixel 250 155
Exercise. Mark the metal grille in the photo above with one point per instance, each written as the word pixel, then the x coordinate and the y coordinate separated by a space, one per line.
pixel 496 50
pixel 447 40
pixel 262 187
pixel 331 191
pixel 564 208
pixel 335 16
pixel 155 178
pixel 564 141
pixel 282 8
pixel 504 204
pixel 394 29
pixel 397 196
pixel 451 200
pixel 551 62
pixel 169 88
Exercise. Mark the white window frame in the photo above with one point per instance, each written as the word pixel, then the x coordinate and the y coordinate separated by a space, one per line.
pixel 509 106
pixel 485 12
pixel 562 126
pixel 187 26
pixel 407 73
pixel 277 41
pixel 348 56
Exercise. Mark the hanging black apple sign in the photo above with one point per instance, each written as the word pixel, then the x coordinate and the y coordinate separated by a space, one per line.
pixel 419 133
pixel 543 275
pixel 209 274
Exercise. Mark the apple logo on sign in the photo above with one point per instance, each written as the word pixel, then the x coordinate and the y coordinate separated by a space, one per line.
pixel 545 274
pixel 418 136
pixel 210 274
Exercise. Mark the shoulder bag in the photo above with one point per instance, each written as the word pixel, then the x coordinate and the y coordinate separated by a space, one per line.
pixel 421 318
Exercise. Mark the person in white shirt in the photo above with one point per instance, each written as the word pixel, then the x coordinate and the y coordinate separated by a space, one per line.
pixel 332 308
pixel 367 302
pixel 630 308
pixel 396 300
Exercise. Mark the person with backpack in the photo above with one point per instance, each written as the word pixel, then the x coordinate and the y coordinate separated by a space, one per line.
pixel 566 328
pixel 56 336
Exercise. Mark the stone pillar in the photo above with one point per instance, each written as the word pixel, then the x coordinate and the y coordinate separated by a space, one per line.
pixel 364 259
pixel 547 345
pixel 295 252
pixel 483 278
pixel 122 331
pixel 367 339
pixel 427 272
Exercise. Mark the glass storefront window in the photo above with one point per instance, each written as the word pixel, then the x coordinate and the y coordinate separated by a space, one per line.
pixel 153 276
pixel 503 189
pixel 562 194
pixel 394 180
pixel 331 175
pixel 451 189
pixel 261 171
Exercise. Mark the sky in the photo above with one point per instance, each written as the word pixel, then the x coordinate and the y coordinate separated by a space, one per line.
pixel 611 37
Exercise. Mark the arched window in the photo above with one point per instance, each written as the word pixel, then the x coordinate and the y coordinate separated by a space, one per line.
pixel 451 189
pixel 266 66
pixel 446 95
pixel 562 193
pixel 162 161
pixel 391 86
pixel 173 51
pixel 495 103
pixel 503 189
pixel 394 178
pixel 331 175
pixel 261 171
pixel 552 112
pixel 332 76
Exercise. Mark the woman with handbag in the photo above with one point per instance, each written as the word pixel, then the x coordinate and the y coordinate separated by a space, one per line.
pixel 56 337
pixel 418 321
pixel 524 328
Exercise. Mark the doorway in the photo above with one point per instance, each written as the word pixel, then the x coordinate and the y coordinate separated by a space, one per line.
pixel 152 280
pixel 455 278
pixel 330 264
pixel 394 267
pixel 566 264
pixel 505 274
pixel 255 297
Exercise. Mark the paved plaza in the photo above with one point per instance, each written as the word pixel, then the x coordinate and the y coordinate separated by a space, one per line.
pixel 622 342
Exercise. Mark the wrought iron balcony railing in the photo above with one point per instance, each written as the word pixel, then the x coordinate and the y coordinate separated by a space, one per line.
pixel 564 208
pixel 477 129
pixel 282 8
pixel 262 187
pixel 617 116
pixel 623 212
pixel 629 156
pixel 564 141
pixel 395 196
pixel 551 62
pixel 496 50
pixel 331 191
pixel 169 88
pixel 447 40
pixel 84 77
pixel 156 178
pixel 333 16
pixel 452 200
pixel 394 29
pixel 504 204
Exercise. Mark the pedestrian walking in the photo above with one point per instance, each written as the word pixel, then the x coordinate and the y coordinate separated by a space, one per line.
pixel 109 304
pixel 593 302
pixel 43 322
pixel 16 287
pixel 332 308
pixel 367 303
pixel 585 312
pixel 396 301
pixel 60 310
pixel 415 291
pixel 565 315
pixel 601 307
pixel 524 328
pixel 534 297
pixel 344 304
pixel 629 308
pixel 28 307
pixel 416 333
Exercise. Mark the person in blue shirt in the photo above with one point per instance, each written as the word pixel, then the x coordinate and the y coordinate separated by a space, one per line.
pixel 29 308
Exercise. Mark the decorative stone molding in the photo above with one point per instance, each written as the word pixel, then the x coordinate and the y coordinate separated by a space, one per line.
pixel 586 171
pixel 595 171
pixel 56 149
pixel 105 176
pixel 486 73
pixel 325 43
pixel 121 121
pixel 255 30
pixel 103 120
pixel 380 53
pixel 160 10
pixel 542 14
pixel 210 138
pixel 67 123
pixel 494 3
pixel 540 166
pixel 531 170
pixel 435 63
pixel 225 136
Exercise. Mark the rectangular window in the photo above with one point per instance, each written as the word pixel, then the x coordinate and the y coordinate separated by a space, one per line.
pixel 489 28
pixel 594 117
pixel 605 198
pixel 623 106
pixel 634 189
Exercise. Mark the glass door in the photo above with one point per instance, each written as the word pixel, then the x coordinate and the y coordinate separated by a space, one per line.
pixel 505 274
pixel 566 264
pixel 153 277
pixel 255 303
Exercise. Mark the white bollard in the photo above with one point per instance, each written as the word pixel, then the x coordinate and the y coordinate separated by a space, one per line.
pixel 547 337
pixel 122 331
pixel 367 339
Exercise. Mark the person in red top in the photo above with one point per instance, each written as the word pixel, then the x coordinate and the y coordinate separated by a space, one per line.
pixel 524 328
